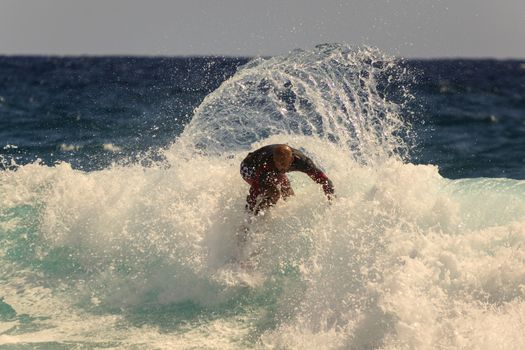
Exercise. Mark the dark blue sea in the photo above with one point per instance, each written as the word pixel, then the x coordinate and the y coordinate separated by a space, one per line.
pixel 121 203
pixel 468 115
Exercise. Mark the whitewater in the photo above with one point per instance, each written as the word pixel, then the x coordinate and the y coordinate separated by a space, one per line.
pixel 143 254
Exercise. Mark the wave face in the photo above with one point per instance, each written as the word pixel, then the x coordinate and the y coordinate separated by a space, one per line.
pixel 143 257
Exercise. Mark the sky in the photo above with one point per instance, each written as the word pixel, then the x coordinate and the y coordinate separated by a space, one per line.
pixel 407 28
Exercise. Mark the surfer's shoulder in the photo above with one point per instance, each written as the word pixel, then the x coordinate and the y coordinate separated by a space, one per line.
pixel 301 162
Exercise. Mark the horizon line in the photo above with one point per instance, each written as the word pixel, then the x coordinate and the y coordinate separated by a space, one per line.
pixel 123 55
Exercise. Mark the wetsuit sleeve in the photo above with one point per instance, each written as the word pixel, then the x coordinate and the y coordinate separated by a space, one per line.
pixel 306 165
pixel 321 178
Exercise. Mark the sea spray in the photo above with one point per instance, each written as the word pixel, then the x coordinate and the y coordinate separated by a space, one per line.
pixel 331 93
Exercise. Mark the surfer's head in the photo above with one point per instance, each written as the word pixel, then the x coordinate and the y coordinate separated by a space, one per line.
pixel 282 157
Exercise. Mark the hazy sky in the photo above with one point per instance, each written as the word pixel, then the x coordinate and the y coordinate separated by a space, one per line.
pixel 410 28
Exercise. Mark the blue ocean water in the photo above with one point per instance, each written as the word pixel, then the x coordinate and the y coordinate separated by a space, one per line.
pixel 52 106
pixel 120 202
pixel 468 115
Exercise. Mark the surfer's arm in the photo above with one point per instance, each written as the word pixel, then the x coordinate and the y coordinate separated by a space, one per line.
pixel 306 165
pixel 319 177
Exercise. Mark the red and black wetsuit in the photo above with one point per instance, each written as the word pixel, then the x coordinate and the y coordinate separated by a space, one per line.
pixel 258 169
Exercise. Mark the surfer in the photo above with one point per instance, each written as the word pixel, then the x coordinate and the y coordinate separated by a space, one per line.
pixel 265 171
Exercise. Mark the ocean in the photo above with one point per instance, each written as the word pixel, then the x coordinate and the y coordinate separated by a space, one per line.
pixel 121 203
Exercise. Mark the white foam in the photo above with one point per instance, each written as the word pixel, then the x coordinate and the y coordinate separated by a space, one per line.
pixel 111 147
pixel 402 259
pixel 69 148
